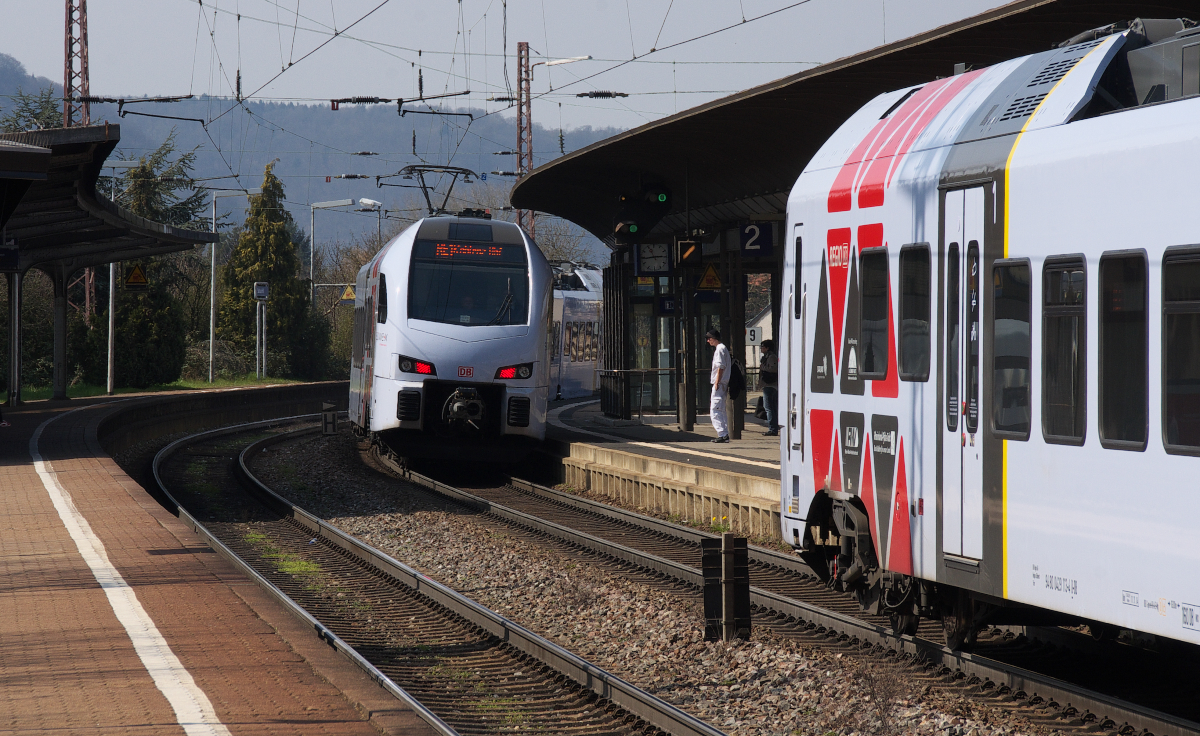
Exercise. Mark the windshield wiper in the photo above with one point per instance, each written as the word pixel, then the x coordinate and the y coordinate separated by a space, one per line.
pixel 505 305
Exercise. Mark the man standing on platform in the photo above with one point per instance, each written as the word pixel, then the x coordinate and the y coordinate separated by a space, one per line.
pixel 719 378
pixel 768 369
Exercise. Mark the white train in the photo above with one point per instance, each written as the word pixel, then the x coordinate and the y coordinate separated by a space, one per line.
pixel 450 340
pixel 991 343
pixel 576 339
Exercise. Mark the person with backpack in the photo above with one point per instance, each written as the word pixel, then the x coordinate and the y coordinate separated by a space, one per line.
pixel 719 378
pixel 769 373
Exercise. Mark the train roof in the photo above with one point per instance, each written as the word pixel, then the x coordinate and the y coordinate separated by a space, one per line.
pixel 479 229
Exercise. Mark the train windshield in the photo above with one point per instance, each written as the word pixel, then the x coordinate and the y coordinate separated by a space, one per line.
pixel 469 283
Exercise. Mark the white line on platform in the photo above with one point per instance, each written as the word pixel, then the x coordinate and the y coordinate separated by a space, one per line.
pixel 552 417
pixel 193 710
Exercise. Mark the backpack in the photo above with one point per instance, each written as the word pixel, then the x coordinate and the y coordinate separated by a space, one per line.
pixel 737 380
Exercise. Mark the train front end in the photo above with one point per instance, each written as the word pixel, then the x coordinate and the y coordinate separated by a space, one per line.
pixel 454 339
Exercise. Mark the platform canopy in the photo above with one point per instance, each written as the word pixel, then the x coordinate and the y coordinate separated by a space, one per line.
pixel 20 166
pixel 737 158
pixel 62 224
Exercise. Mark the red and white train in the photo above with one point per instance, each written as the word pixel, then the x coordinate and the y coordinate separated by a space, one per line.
pixel 990 346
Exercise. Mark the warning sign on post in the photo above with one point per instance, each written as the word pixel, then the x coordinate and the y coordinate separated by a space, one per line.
pixel 710 280
pixel 348 295
pixel 135 279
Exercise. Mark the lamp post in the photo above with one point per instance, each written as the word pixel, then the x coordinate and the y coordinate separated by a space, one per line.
pixel 370 205
pixel 112 279
pixel 312 240
pixel 212 297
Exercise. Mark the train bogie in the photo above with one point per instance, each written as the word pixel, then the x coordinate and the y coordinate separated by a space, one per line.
pixel 989 344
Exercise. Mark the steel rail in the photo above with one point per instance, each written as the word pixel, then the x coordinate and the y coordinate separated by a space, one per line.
pixel 654 711
pixel 321 631
pixel 1018 680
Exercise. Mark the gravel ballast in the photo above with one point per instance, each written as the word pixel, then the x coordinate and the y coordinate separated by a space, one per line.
pixel 771 684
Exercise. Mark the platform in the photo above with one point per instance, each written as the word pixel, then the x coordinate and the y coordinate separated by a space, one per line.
pixel 650 463
pixel 119 620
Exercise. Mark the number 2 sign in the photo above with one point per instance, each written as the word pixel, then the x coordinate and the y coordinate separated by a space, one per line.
pixel 758 239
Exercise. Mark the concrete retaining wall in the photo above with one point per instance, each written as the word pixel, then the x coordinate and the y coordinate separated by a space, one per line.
pixel 155 416
pixel 746 503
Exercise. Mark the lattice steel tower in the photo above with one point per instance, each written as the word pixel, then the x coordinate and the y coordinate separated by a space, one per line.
pixel 524 128
pixel 75 66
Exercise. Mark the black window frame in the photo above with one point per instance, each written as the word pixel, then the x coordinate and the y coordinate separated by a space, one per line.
pixel 998 264
pixel 381 302
pixel 1174 253
pixel 953 338
pixel 868 253
pixel 1116 255
pixel 901 312
pixel 796 271
pixel 1053 263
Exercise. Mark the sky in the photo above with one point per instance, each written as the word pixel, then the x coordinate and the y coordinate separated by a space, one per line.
pixel 656 51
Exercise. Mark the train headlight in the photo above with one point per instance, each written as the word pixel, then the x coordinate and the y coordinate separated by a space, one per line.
pixel 524 370
pixel 412 365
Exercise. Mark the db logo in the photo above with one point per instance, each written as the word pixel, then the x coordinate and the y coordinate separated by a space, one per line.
pixel 466 371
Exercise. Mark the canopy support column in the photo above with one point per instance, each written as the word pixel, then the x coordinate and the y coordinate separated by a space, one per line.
pixel 59 277
pixel 15 284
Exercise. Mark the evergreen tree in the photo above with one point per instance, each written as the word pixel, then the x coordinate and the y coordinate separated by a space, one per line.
pixel 151 337
pixel 33 112
pixel 267 252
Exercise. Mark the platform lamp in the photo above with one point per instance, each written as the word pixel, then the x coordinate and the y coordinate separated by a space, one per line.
pixel 370 205
pixel 212 303
pixel 312 240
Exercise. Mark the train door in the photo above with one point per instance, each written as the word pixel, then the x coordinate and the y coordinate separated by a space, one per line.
pixel 798 352
pixel 962 441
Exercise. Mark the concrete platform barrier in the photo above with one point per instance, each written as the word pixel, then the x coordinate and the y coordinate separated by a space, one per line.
pixel 745 503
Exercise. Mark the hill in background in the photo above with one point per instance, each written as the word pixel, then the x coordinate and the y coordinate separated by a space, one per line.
pixel 312 142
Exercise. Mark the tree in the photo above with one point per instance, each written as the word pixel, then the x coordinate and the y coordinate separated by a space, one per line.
pixel 152 325
pixel 33 112
pixel 152 188
pixel 266 252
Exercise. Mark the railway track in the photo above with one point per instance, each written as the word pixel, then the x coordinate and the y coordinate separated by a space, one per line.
pixel 1092 686
pixel 463 668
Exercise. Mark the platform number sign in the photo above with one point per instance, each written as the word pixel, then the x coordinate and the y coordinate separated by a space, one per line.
pixel 754 335
pixel 758 239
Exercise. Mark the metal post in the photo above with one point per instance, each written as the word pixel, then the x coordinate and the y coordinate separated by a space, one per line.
pixel 257 339
pixel 112 324
pixel 524 128
pixel 735 587
pixel 312 255
pixel 264 334
pixel 212 296
pixel 379 224
pixel 59 381
pixel 15 285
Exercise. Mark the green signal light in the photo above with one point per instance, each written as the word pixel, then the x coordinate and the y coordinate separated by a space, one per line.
pixel 633 228
pixel 662 198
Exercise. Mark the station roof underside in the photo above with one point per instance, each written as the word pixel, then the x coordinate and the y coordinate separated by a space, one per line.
pixel 20 165
pixel 738 157
pixel 61 222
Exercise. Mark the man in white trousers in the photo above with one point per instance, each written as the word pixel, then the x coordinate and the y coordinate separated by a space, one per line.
pixel 719 378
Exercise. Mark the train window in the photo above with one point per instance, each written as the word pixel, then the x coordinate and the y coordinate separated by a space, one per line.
pixel 1064 350
pixel 796 275
pixel 470 284
pixel 1123 359
pixel 953 409
pixel 874 312
pixel 914 313
pixel 381 304
pixel 972 332
pixel 467 231
pixel 1011 349
pixel 1181 352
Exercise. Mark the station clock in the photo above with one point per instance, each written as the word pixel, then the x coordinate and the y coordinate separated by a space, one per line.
pixel 653 259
